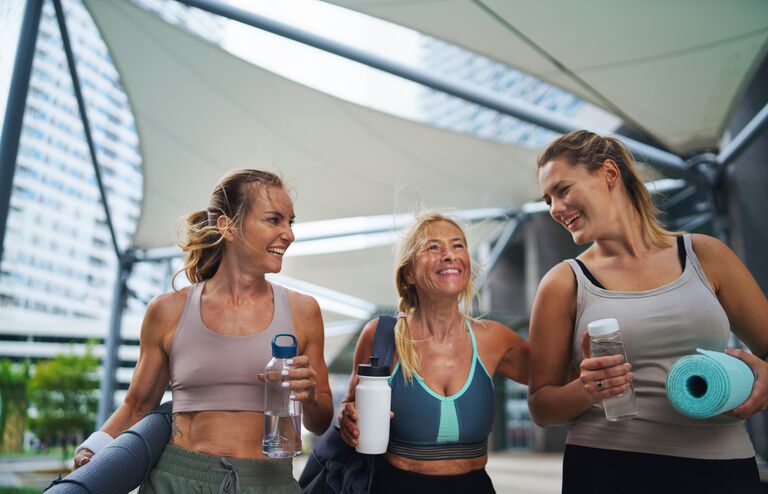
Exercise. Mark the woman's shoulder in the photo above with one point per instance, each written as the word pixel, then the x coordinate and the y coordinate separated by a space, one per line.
pixel 168 303
pixel 717 260
pixel 369 331
pixel 707 246
pixel 164 311
pixel 302 305
pixel 488 328
pixel 560 280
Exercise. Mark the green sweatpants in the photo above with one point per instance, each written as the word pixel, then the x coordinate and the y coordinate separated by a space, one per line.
pixel 182 471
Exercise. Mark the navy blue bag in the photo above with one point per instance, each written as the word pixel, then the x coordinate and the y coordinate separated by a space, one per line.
pixel 333 467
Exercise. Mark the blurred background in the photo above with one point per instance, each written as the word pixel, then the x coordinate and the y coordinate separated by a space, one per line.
pixel 119 116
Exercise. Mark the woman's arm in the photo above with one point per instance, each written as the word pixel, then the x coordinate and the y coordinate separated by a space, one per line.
pixel 151 375
pixel 514 360
pixel 747 310
pixel 348 416
pixel 553 398
pixel 309 378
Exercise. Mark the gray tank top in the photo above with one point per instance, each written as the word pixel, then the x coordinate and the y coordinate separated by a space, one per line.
pixel 658 327
pixel 213 371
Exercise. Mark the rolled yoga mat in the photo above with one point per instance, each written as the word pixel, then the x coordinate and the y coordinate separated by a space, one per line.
pixel 708 384
pixel 123 464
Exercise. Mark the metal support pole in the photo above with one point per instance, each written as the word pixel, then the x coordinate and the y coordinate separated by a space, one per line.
pixel 671 164
pixel 113 340
pixel 744 137
pixel 14 110
pixel 84 117
pixel 498 248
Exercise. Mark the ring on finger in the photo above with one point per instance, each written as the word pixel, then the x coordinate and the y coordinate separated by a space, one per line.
pixel 600 384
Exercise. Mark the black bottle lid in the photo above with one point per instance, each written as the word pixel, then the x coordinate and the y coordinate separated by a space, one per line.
pixel 373 369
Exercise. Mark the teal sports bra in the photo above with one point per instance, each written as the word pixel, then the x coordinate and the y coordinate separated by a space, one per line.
pixel 428 426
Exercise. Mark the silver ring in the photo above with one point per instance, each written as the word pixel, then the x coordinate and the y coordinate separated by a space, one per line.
pixel 600 384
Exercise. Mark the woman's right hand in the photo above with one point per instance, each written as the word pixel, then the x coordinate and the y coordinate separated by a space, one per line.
pixel 348 423
pixel 82 457
pixel 603 377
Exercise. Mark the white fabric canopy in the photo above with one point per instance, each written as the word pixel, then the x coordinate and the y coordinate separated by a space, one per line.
pixel 201 112
pixel 671 68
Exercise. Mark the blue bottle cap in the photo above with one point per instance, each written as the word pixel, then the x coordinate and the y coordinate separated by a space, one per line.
pixel 284 351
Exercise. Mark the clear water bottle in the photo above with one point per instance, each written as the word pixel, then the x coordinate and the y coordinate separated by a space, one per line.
pixel 373 398
pixel 605 340
pixel 282 415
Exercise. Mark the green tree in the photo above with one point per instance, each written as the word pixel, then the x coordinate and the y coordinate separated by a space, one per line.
pixel 63 393
pixel 13 404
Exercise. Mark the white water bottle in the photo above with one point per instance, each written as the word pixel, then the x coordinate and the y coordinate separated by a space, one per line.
pixel 605 340
pixel 282 415
pixel 373 399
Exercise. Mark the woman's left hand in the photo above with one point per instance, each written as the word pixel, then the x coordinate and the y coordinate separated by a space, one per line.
pixel 758 399
pixel 302 379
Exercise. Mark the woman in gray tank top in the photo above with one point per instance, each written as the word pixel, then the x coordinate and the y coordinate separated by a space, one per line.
pixel 670 293
pixel 212 340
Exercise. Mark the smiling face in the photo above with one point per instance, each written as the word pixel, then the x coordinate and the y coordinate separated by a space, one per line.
pixel 441 264
pixel 577 198
pixel 266 229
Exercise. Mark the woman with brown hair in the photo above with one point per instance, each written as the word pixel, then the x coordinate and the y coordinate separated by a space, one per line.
pixel 442 387
pixel 211 341
pixel 671 294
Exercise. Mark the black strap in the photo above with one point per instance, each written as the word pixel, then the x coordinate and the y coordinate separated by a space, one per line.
pixel 681 251
pixel 589 275
pixel 681 255
pixel 384 340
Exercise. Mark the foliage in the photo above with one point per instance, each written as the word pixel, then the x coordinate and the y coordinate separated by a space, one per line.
pixel 13 404
pixel 63 393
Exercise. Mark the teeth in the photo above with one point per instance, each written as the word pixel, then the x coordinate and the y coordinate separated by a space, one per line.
pixel 570 220
pixel 448 271
pixel 277 251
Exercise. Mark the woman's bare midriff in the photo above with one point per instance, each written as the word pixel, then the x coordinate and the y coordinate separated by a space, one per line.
pixel 437 467
pixel 217 433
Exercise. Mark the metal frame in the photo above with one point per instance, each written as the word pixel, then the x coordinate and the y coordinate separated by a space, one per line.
pixel 124 260
pixel 743 138
pixel 14 111
pixel 60 18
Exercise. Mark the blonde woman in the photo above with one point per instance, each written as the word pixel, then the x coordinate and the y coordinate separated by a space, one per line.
pixel 210 342
pixel 442 388
pixel 671 293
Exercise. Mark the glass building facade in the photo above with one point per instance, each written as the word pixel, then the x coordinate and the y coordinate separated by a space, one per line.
pixel 59 264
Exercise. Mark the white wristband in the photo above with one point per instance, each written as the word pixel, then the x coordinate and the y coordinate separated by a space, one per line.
pixel 95 442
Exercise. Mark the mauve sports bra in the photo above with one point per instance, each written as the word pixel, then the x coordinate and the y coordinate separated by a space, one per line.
pixel 213 371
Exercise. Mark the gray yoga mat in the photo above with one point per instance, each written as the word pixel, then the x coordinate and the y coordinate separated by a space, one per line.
pixel 125 462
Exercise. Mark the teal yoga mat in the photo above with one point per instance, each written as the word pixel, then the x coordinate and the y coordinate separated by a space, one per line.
pixel 708 384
